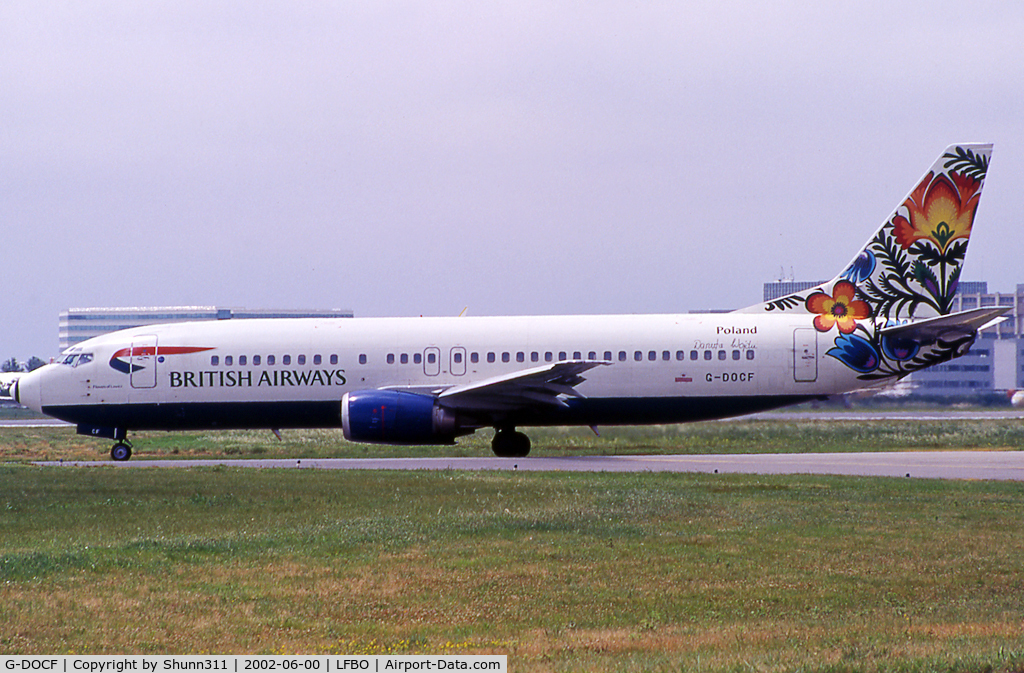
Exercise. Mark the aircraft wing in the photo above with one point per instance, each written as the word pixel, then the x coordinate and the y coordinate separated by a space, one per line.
pixel 549 384
pixel 952 326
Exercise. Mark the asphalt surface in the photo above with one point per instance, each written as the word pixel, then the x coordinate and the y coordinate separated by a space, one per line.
pixel 825 414
pixel 988 465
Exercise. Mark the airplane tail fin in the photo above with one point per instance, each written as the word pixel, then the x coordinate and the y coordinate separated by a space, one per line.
pixel 906 272
pixel 910 267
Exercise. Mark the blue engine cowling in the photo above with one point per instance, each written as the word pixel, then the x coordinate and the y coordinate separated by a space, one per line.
pixel 396 417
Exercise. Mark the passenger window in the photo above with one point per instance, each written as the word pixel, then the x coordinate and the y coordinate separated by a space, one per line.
pixel 750 355
pixel 457 357
pixel 562 356
pixel 577 355
pixel 735 355
pixel 592 355
pixel 666 356
pixel 622 356
pixel 549 356
pixel 287 359
pixel 317 359
pixel 680 355
pixel 520 356
pixel 302 359
pixel 652 356
pixel 638 356
pixel 417 358
pixel 490 357
pixel 505 357
pixel 228 360
pixel 404 358
pixel 474 358
pixel 608 356
pixel 334 359
pixel 534 356
pixel 391 358
pixel 694 355
pixel 256 360
pixel 215 361
pixel 707 355
pixel 431 357
pixel 242 360
pixel 271 360
pixel 362 358
pixel 721 355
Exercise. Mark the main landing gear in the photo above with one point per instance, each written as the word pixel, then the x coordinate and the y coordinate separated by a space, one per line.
pixel 121 451
pixel 508 443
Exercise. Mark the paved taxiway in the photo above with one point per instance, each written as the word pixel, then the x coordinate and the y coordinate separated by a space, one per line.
pixel 991 465
pixel 823 414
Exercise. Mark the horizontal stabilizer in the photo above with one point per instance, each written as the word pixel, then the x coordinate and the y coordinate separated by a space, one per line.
pixel 947 327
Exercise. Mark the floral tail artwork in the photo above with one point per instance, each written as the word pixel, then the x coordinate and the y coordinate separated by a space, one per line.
pixel 907 272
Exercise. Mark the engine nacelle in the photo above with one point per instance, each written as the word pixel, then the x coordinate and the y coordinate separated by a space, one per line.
pixel 396 417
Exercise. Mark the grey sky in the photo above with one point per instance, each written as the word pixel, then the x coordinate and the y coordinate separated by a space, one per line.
pixel 415 158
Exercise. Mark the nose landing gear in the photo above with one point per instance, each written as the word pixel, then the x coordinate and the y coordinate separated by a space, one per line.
pixel 121 451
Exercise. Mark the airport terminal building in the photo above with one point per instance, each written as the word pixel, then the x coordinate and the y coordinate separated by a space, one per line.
pixel 995 362
pixel 78 324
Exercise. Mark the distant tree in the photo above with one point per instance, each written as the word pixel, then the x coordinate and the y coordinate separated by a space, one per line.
pixel 34 363
pixel 11 365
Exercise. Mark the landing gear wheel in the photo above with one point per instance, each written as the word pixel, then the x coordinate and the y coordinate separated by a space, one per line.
pixel 121 451
pixel 510 444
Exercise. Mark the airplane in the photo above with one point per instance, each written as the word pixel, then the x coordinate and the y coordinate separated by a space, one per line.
pixel 431 380
pixel 7 380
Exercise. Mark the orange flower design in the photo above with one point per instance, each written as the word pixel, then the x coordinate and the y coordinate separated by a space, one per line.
pixel 941 210
pixel 842 308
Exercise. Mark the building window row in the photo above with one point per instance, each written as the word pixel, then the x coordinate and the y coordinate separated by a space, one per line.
pixel 961 368
pixel 954 384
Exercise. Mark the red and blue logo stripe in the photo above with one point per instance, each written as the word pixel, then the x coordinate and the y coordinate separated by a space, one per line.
pixel 121 360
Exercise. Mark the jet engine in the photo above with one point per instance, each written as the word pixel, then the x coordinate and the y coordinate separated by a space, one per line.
pixel 397 417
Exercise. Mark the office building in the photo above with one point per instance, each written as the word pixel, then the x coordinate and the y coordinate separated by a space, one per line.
pixel 78 324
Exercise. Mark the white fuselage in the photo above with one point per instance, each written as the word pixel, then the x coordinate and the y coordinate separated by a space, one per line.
pixel 294 372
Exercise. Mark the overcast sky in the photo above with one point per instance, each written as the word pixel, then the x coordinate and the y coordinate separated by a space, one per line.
pixel 416 158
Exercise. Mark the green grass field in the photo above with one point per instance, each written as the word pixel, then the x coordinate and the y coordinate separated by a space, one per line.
pixel 828 434
pixel 562 572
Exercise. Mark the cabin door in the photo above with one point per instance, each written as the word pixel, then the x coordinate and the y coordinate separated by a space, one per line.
pixel 805 355
pixel 143 362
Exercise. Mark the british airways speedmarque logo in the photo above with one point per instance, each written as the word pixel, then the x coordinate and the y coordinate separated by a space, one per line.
pixel 121 360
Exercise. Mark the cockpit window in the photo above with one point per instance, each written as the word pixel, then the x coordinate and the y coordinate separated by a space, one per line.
pixel 75 359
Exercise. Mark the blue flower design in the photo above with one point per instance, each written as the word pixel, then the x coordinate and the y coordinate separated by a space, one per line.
pixel 861 268
pixel 855 352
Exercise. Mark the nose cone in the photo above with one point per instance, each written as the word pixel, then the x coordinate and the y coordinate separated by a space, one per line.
pixel 28 391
